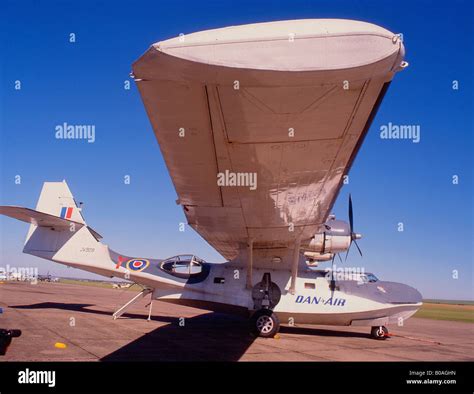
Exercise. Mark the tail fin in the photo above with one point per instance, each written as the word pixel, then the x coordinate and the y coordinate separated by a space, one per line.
pixel 57 222
pixel 56 199
pixel 58 231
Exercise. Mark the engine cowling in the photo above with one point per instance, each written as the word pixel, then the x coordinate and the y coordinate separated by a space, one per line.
pixel 335 239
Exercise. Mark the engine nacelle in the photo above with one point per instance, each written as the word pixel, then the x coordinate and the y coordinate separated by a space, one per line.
pixel 337 238
pixel 316 256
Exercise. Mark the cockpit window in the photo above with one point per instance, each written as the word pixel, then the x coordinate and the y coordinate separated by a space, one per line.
pixel 372 278
pixel 369 278
pixel 183 266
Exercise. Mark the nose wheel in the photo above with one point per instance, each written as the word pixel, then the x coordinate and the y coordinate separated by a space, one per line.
pixel 265 323
pixel 379 332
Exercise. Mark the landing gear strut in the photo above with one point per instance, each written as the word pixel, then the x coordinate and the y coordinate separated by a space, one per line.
pixel 265 295
pixel 379 332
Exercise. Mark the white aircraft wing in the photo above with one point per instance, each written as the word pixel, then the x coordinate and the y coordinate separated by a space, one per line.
pixel 284 104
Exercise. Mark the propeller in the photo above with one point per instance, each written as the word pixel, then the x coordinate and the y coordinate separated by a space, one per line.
pixel 332 285
pixel 354 236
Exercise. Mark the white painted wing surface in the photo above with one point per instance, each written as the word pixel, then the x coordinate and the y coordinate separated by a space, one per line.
pixel 288 101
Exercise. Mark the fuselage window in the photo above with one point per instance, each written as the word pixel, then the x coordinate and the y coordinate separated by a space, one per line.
pixel 309 285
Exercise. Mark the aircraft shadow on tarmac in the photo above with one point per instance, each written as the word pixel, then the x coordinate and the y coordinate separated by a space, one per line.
pixel 210 336
pixel 85 309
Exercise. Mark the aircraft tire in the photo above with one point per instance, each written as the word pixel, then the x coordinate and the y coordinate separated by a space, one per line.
pixel 265 323
pixel 379 332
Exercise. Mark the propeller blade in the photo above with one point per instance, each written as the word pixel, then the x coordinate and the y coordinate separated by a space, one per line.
pixel 332 284
pixel 351 216
pixel 360 252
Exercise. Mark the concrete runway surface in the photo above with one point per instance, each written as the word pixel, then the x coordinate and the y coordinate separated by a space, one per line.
pixel 81 317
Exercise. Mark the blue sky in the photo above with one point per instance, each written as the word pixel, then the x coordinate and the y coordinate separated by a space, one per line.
pixel 391 181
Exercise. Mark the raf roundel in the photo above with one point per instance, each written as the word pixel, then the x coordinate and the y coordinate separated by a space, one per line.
pixel 137 264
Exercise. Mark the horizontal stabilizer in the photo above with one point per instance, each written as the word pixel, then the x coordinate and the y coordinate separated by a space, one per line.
pixel 41 219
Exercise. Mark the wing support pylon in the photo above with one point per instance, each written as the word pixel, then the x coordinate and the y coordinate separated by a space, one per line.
pixel 119 312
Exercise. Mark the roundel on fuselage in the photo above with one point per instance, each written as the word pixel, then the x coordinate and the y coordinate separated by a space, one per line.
pixel 137 265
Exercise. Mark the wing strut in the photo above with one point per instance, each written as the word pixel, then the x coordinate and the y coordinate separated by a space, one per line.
pixel 143 293
pixel 250 264
pixel 294 266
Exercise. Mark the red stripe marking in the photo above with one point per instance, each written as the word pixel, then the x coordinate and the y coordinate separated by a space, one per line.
pixel 120 261
pixel 69 213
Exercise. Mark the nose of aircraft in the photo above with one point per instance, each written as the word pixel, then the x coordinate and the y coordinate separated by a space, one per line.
pixel 399 293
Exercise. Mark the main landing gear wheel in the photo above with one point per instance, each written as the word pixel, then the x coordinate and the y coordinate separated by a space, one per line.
pixel 379 332
pixel 265 323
